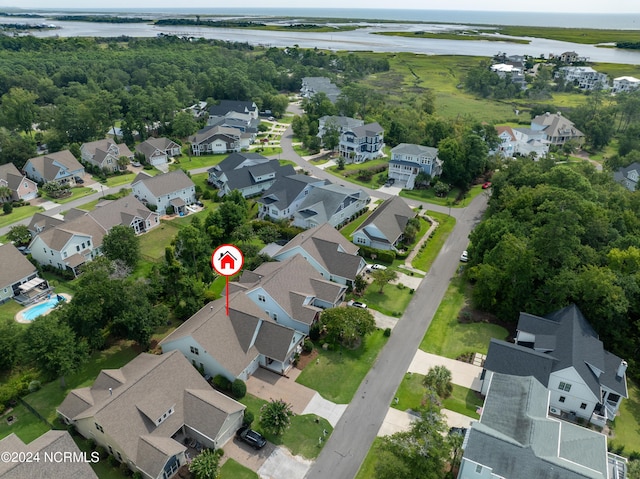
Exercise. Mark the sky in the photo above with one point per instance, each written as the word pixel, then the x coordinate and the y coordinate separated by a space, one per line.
pixel 584 6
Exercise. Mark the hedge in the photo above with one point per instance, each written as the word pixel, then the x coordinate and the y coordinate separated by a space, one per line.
pixel 380 254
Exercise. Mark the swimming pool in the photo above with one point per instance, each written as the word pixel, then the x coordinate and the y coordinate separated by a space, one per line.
pixel 39 309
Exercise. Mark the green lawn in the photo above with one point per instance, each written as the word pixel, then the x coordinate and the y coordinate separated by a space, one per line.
pixel 451 339
pixel 75 194
pixel 51 395
pixel 375 182
pixel 60 285
pixel 153 243
pixel 351 227
pixel 18 213
pixel 626 426
pixel 411 392
pixel 193 162
pixel 337 374
pixel 392 302
pixel 9 310
pixel 450 200
pixel 368 467
pixel 120 179
pixel 27 426
pixel 234 470
pixel 302 436
pixel 102 468
pixel 427 255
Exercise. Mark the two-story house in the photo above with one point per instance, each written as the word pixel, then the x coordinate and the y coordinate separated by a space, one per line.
pixel 628 176
pixel 104 154
pixel 328 252
pixel 21 187
pixel 585 78
pixel 557 129
pixel 291 292
pixel 149 411
pixel 521 141
pixel 61 167
pixel 249 173
pixel 340 123
pixel 243 122
pixel 564 353
pixel 362 143
pixel 234 346
pixel 625 84
pixel 225 107
pixel 384 228
pixel 169 189
pixel 157 151
pixel 333 204
pixel 16 271
pixel 285 196
pixel 218 139
pixel 408 160
pixel 516 438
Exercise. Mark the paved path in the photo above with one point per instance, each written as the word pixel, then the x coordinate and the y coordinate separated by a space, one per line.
pixel 398 421
pixel 351 439
pixel 462 374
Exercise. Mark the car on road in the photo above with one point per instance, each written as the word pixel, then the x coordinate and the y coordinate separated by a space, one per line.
pixel 251 437
pixel 357 304
pixel 486 185
pixel 464 257
pixel 377 266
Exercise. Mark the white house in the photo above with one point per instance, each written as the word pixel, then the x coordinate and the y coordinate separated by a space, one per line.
pixel 169 189
pixel 585 78
pixel 384 228
pixel 157 151
pixel 286 195
pixel 147 412
pixel 234 346
pixel 516 438
pixel 328 252
pixel 625 83
pixel 61 167
pixel 408 160
pixel 291 292
pixel 333 204
pixel 563 352
pixel 361 143
pixel 341 123
pixel 104 154
pixel 218 140
pixel 522 141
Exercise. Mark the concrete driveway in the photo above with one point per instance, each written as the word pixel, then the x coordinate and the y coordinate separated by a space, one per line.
pixel 462 374
pixel 282 465
pixel 267 385
pixel 246 455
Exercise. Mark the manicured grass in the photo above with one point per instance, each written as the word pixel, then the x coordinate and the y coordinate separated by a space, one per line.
pixel 120 179
pixel 451 339
pixel 51 395
pixel 60 285
pixel 302 436
pixel 91 205
pixel 411 393
pixel 368 467
pixel 27 425
pixel 193 162
pixel 450 200
pixel 18 213
pixel 267 150
pixel 337 374
pixel 102 468
pixel 351 227
pixel 427 255
pixel 376 180
pixel 626 426
pixel 9 310
pixel 218 285
pixel 234 470
pixel 153 243
pixel 75 194
pixel 392 302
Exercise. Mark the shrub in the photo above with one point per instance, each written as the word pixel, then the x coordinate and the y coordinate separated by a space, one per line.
pixel 209 295
pixel 248 418
pixel 387 332
pixel 152 207
pixel 206 195
pixel 314 332
pixel 113 461
pixel 170 210
pixel 7 208
pixel 238 389
pixel 137 475
pixel 307 346
pixel 34 386
pixel 411 291
pixel 221 382
pixel 400 286
pixel 124 469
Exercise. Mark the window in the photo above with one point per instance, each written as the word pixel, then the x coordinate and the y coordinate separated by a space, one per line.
pixel 77 247
pixel 478 468
pixel 562 399
pixel 262 298
pixel 99 427
pixel 275 317
pixel 564 386
pixel 194 350
pixel 88 242
pixel 583 405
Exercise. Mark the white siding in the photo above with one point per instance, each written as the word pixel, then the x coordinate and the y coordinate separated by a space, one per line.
pixel 578 394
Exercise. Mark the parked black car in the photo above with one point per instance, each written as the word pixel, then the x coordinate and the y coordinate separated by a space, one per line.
pixel 251 437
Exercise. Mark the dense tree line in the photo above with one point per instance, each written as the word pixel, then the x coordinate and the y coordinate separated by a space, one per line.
pixel 560 234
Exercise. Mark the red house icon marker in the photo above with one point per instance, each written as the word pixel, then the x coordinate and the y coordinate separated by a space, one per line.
pixel 227 260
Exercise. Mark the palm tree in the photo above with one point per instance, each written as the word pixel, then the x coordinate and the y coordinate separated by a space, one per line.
pixel 439 379
pixel 5 194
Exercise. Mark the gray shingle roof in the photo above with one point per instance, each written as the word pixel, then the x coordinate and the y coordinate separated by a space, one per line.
pixel 391 218
pixel 42 222
pixel 15 266
pixel 209 132
pixel 151 145
pixel 120 212
pixel 11 174
pixel 516 438
pixel 151 383
pixel 56 238
pixel 225 106
pixel 557 125
pixel 48 170
pixel 416 150
pixel 516 360
pixel 166 183
pixel 49 443
pixel 323 201
pixel 284 191
pixel 370 129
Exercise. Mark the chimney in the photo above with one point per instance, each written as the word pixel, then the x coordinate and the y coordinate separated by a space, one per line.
pixel 621 369
pixel 110 392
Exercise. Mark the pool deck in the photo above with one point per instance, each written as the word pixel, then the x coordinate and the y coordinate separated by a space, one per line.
pixel 20 317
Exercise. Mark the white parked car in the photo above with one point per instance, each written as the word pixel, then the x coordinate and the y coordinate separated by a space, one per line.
pixel 357 304
pixel 464 257
pixel 377 266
